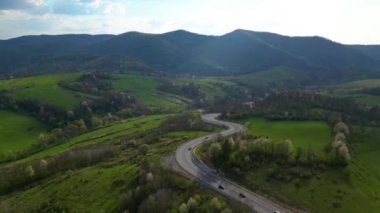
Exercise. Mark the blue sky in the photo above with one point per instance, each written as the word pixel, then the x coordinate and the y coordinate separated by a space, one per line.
pixel 345 21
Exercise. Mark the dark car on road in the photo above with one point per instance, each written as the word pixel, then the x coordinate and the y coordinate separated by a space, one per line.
pixel 221 187
pixel 241 195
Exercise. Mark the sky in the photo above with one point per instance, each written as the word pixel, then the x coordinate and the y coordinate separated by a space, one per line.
pixel 344 21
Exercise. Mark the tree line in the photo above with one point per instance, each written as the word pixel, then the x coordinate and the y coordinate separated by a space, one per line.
pixel 20 175
pixel 301 105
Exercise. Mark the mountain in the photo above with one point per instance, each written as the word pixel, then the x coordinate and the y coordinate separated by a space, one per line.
pixel 372 51
pixel 179 52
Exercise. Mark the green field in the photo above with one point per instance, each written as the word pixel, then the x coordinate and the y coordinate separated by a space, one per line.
pixel 355 188
pixel 331 189
pixel 18 132
pixel 208 85
pixel 277 76
pixel 101 135
pixel 98 188
pixel 45 87
pixel 144 89
pixel 90 189
pixel 313 134
pixel 353 90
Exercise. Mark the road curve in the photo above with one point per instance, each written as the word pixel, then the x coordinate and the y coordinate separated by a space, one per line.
pixel 186 158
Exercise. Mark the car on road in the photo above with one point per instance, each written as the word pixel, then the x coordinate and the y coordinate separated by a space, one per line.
pixel 241 195
pixel 276 212
pixel 189 148
pixel 221 187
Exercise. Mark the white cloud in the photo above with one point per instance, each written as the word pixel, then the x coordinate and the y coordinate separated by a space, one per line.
pixel 347 21
pixel 114 9
pixel 35 2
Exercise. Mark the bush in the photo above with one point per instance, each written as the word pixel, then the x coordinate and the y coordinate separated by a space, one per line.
pixel 143 149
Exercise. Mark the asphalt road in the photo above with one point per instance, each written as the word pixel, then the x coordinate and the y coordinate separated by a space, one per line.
pixel 186 158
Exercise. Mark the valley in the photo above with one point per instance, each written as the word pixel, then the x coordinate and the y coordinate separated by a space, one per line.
pixel 113 123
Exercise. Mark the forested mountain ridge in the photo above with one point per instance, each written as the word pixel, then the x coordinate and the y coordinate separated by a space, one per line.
pixel 178 52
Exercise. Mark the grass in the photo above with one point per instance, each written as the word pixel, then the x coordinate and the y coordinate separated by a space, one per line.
pixel 353 90
pixel 101 135
pixel 98 189
pixel 18 132
pixel 314 134
pixel 277 76
pixel 90 189
pixel 45 87
pixel 144 88
pixel 208 85
pixel 355 188
pixel 172 140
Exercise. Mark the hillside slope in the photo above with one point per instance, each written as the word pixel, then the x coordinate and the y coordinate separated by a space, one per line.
pixel 370 50
pixel 178 52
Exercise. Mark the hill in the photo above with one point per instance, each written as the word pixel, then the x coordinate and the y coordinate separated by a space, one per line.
pixel 178 52
pixel 370 50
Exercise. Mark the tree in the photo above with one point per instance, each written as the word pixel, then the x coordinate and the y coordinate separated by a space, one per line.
pixel 125 201
pixel 343 154
pixel 338 144
pixel 149 177
pixel 183 208
pixel 341 127
pixel 214 150
pixel 192 205
pixel 300 155
pixel 29 171
pixel 226 210
pixel 143 149
pixel 340 137
pixel 43 164
pixel 96 122
pixel 288 145
pixel 216 204
pixel 42 139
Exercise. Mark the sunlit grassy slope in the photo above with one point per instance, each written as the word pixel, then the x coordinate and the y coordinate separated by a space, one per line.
pixel 353 90
pixel 90 189
pixel 18 132
pixel 306 134
pixel 102 135
pixel 45 87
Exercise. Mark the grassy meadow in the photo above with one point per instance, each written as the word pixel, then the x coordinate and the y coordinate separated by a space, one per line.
pixel 274 77
pixel 102 135
pixel 337 189
pixel 144 89
pixel 306 134
pixel 90 189
pixel 18 132
pixel 209 85
pixel 353 90
pixel 331 190
pixel 100 187
pixel 45 87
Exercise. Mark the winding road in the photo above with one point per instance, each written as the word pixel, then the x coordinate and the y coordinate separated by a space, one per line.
pixel 186 158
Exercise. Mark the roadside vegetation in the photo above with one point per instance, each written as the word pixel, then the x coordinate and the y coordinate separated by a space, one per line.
pixel 121 172
pixel 305 149
pixel 107 138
